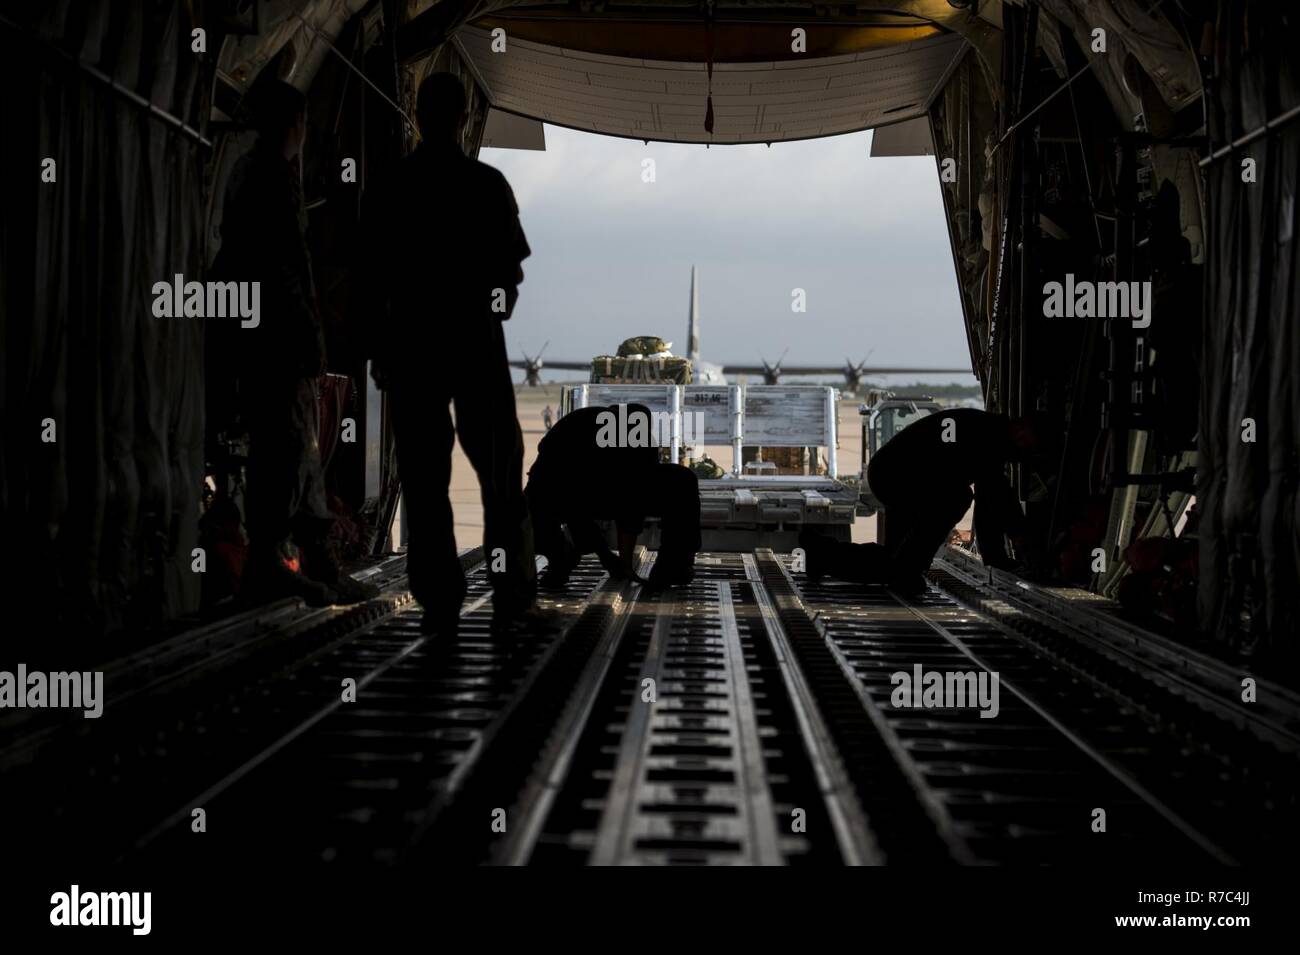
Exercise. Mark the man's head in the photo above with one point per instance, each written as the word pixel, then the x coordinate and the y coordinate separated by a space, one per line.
pixel 441 107
pixel 639 415
pixel 631 425
pixel 280 113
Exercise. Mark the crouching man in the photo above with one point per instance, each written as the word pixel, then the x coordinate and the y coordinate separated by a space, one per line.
pixel 600 464
pixel 923 476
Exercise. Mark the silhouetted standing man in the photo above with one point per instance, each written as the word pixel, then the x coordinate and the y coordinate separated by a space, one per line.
pixel 445 246
pixel 280 361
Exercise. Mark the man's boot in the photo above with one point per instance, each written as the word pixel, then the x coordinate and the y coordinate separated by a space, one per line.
pixel 319 564
pixel 558 569
pixel 671 568
pixel 814 554
pixel 908 584
pixel 441 622
pixel 269 577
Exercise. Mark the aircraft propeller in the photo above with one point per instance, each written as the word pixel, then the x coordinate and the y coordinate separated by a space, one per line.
pixel 533 368
pixel 853 373
pixel 772 372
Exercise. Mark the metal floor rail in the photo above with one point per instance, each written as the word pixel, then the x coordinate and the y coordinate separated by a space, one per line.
pixel 701 745
pixel 1076 733
pixel 747 718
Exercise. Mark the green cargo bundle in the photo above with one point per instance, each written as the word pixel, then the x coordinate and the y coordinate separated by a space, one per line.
pixel 707 469
pixel 642 345
pixel 617 370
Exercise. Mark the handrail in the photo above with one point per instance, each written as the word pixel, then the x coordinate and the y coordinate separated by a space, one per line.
pixel 126 93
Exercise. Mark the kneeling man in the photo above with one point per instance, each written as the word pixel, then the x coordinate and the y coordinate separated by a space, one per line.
pixel 600 464
pixel 923 476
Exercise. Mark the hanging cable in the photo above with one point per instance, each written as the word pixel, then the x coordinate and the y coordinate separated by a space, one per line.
pixel 1269 127
pixel 708 62
pixel 351 66
pixel 126 93
pixel 1051 96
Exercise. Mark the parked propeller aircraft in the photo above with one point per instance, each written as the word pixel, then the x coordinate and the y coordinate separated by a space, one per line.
pixel 709 373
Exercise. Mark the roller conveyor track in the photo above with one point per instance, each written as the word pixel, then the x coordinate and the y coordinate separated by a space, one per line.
pixel 743 719
pixel 701 746
pixel 1224 774
pixel 216 717
pixel 927 784
pixel 1077 732
pixel 365 780
pixel 1019 787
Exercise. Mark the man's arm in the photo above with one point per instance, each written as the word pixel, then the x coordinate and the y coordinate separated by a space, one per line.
pixel 620 567
pixel 629 526
pixel 626 548
pixel 997 515
pixel 513 248
pixel 627 556
pixel 281 223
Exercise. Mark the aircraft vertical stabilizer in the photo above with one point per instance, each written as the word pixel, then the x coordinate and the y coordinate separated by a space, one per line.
pixel 693 334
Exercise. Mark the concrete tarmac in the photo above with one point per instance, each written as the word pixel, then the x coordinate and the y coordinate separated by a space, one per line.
pixel 468 507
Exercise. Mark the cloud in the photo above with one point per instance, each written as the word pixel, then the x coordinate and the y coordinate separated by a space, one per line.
pixel 865 238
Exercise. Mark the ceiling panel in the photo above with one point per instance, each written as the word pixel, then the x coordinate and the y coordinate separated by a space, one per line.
pixel 752 102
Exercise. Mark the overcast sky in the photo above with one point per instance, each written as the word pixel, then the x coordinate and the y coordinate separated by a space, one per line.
pixel 612 254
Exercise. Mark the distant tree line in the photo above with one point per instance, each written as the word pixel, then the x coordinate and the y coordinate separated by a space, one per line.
pixel 938 391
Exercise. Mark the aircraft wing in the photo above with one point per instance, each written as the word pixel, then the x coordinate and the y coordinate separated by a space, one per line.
pixel 912 371
pixel 561 365
pixel 787 370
